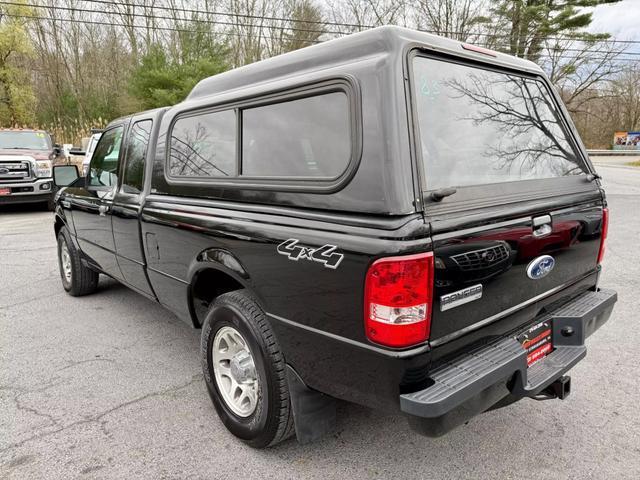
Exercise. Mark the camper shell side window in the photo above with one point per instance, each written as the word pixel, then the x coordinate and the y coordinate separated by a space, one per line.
pixel 298 137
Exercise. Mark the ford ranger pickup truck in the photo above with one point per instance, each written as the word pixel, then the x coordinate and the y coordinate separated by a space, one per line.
pixel 26 158
pixel 391 218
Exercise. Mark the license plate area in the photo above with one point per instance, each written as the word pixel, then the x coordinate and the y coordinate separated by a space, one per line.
pixel 5 191
pixel 537 341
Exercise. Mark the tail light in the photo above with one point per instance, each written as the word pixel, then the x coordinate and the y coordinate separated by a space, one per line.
pixel 603 234
pixel 397 300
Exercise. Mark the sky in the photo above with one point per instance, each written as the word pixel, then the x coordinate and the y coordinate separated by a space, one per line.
pixel 621 20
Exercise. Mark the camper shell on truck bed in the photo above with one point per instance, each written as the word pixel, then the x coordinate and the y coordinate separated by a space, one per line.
pixel 390 218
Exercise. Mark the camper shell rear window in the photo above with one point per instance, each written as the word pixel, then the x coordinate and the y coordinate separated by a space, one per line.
pixel 479 126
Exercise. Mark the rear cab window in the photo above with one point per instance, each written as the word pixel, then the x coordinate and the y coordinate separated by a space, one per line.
pixel 137 145
pixel 480 127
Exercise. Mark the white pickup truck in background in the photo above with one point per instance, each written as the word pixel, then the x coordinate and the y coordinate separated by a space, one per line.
pixel 26 160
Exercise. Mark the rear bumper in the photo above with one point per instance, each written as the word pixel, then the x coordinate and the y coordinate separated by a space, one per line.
pixel 476 381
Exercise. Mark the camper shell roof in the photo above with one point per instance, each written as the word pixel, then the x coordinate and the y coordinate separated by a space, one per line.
pixel 381 41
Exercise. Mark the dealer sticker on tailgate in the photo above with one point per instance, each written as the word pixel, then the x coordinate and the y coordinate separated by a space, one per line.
pixel 537 341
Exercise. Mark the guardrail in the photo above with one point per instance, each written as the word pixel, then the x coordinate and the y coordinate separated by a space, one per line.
pixel 614 153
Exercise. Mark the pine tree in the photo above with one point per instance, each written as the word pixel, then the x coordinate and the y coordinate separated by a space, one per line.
pixel 530 22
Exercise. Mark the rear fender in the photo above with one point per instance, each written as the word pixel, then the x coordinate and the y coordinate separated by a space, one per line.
pixel 222 261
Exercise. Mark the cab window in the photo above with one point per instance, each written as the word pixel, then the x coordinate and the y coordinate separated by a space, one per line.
pixel 137 145
pixel 103 170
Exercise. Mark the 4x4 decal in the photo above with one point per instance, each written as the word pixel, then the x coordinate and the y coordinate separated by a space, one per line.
pixel 325 254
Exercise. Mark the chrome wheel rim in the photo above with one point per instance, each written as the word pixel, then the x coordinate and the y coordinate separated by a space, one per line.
pixel 65 260
pixel 235 371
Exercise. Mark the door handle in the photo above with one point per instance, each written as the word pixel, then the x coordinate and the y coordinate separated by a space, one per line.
pixel 103 209
pixel 542 226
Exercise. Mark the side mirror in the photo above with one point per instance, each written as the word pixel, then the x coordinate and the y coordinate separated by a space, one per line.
pixel 57 149
pixel 64 175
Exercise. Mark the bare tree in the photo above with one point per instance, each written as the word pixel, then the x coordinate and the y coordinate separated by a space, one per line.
pixel 578 68
pixel 458 19
pixel 357 15
pixel 627 88
pixel 521 109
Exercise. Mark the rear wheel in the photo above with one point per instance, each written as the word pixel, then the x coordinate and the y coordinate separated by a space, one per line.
pixel 77 279
pixel 244 370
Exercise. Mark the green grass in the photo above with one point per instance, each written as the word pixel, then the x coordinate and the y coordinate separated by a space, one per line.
pixel 634 164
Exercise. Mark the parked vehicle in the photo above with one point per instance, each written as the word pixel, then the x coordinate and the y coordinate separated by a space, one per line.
pixel 91 146
pixel 26 158
pixel 392 218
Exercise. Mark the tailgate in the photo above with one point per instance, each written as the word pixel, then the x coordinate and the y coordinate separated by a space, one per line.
pixel 485 272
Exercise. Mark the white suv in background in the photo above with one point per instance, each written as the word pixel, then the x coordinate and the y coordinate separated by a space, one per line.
pixel 91 146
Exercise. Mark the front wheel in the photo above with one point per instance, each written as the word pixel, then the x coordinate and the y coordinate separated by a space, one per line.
pixel 77 279
pixel 244 370
pixel 51 204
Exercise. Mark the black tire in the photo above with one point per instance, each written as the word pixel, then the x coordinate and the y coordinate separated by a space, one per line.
pixel 51 204
pixel 272 420
pixel 83 280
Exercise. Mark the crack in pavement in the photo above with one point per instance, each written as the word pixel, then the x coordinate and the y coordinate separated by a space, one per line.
pixel 24 302
pixel 81 362
pixel 99 418
pixel 42 279
pixel 35 249
pixel 24 408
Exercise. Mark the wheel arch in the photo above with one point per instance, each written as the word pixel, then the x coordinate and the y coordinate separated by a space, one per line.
pixel 58 224
pixel 63 219
pixel 213 272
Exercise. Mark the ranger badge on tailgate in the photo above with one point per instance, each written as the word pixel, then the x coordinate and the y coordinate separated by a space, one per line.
pixel 455 299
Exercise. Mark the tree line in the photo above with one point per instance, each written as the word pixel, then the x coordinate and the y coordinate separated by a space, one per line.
pixel 68 65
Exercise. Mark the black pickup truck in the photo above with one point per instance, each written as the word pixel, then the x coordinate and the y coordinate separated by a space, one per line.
pixel 391 218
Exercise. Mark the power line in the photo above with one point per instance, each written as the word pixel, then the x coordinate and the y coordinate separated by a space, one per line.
pixel 234 34
pixel 322 22
pixel 234 24
pixel 159 17
pixel 223 33
pixel 231 14
pixel 292 20
pixel 170 29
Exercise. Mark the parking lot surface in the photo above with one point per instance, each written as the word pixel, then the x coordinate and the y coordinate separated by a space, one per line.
pixel 110 386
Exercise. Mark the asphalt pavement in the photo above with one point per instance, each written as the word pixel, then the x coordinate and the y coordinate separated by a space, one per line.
pixel 110 386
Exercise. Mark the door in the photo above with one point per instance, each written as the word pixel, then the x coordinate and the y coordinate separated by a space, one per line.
pixel 91 205
pixel 126 207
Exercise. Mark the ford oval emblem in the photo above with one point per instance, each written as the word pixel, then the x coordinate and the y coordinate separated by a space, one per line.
pixel 540 267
